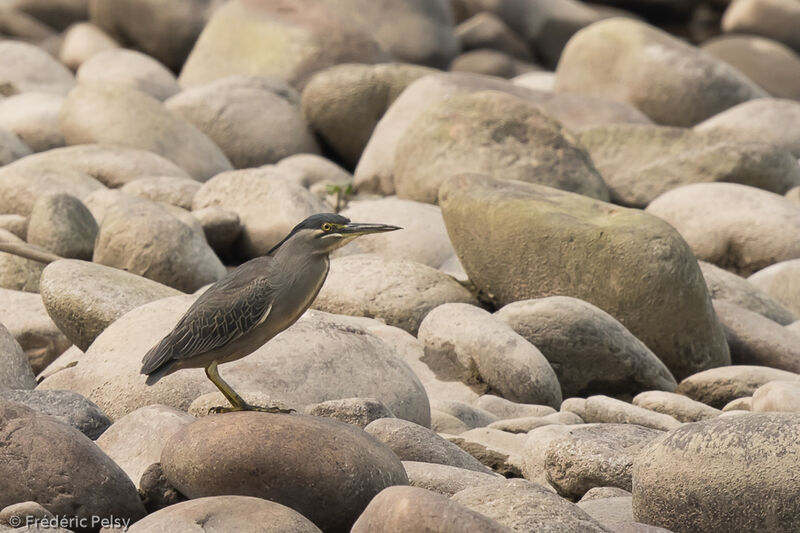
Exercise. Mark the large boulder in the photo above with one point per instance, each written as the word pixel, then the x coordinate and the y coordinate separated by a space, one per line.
pixel 600 247
pixel 588 349
pixel 322 357
pixel 255 121
pixel 62 470
pixel 83 298
pixel 399 292
pixel 109 114
pixel 704 463
pixel 147 239
pixel 641 162
pixel 66 406
pixel 28 68
pixel 736 227
pixel 344 103
pixel 326 470
pixel 670 81
pixel 492 133
pixel 268 205
pixel 287 39
pixel 61 224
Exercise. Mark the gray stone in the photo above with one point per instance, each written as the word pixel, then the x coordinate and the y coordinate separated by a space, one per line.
pixel 610 511
pixel 611 410
pixel 736 227
pixel 780 281
pixel 27 68
pixel 136 440
pixel 268 205
pixel 640 162
pixel 412 510
pixel 251 119
pixel 564 417
pixel 703 463
pixel 614 258
pixel 588 349
pixel 82 41
pixel 520 425
pixel 502 408
pixel 495 452
pixel 747 293
pixel 214 456
pixel 526 506
pixel 16 272
pixel 776 396
pixel 167 189
pixel 37 447
pixel 468 343
pixel 411 442
pixel 719 386
pixel 15 371
pixel 776 19
pixel 24 513
pixel 108 114
pixel 17 225
pixel 156 491
pixel 574 405
pixel 471 416
pixel 447 424
pixel 491 63
pixel 669 80
pixel 11 147
pixel 67 406
pixel 129 69
pixel 739 404
pixel 487 30
pixel 492 133
pixel 678 406
pixel 61 224
pixel 756 340
pixel 446 480
pixel 600 493
pixel 33 117
pixel 220 226
pixel 357 411
pixel 311 169
pixel 399 292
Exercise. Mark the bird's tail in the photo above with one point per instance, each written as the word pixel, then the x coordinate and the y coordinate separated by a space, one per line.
pixel 155 375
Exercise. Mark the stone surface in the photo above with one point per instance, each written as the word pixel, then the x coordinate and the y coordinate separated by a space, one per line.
pixel 490 63
pixel 290 40
pixel 221 227
pixel 255 121
pixel 487 30
pixel 18 273
pixel 136 440
pixel 412 509
pixel 755 340
pixel 526 506
pixel 167 189
pixel 736 227
pixel 108 114
pixel 468 343
pixel 601 493
pixel 503 408
pixel 592 455
pixel 129 69
pixel 331 474
pixel 27 68
pixel 776 19
pixel 676 405
pixel 446 480
pixel 25 317
pixel 496 449
pixel 411 442
pixel 83 298
pixel 82 41
pixel 766 120
pixel 610 511
pixel 268 205
pixel 398 292
pixel 776 396
pixel 588 349
pixel 312 169
pixel 11 147
pixel 728 287
pixel 220 514
pixel 520 425
pixel 610 410
pixel 321 357
pixel 61 224
pixel 33 117
pixel 15 372
pixel 739 404
pixel 489 222
pixel 470 415
pixel 164 31
pixel 492 133
pixel 67 406
pixel 63 470
pixel 17 225
pixel 357 411
pixel 424 237
pixel 718 386
pixel 17 513
pixel 641 162
pixel 670 81
pixel 704 462
pixel 781 281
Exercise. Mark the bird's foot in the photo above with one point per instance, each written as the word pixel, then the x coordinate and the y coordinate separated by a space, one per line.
pixel 247 407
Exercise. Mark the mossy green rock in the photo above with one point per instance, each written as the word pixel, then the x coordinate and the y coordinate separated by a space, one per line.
pixel 518 241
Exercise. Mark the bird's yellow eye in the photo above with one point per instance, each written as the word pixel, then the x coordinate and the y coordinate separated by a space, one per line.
pixel 326 227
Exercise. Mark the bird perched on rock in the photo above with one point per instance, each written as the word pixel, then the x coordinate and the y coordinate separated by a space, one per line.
pixel 253 303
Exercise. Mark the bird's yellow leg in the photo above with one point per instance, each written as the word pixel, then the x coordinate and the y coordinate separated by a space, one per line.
pixel 237 402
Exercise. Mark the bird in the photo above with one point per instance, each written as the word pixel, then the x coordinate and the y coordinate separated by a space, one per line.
pixel 254 302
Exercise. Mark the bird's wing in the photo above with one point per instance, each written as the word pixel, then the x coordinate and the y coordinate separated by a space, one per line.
pixel 228 309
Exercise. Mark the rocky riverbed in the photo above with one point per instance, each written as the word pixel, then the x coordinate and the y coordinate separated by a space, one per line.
pixel 590 322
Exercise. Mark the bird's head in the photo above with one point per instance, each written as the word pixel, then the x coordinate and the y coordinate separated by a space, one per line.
pixel 325 232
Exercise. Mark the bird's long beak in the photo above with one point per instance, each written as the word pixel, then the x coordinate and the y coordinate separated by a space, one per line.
pixel 354 229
